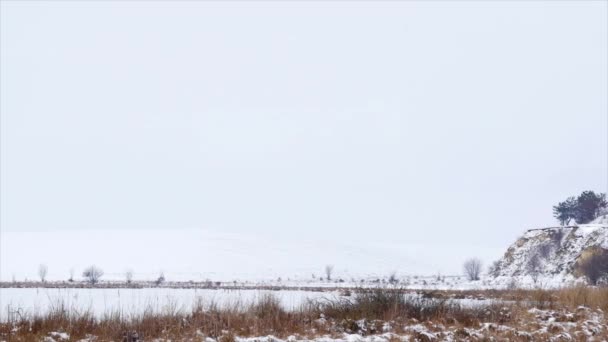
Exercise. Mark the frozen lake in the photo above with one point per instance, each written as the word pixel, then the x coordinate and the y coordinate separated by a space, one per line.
pixel 135 301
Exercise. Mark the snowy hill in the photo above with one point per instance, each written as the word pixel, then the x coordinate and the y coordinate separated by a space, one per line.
pixel 556 250
pixel 201 254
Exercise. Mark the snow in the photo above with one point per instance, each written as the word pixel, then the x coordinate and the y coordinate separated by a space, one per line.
pixel 345 338
pixel 601 220
pixel 557 266
pixel 60 335
pixel 201 254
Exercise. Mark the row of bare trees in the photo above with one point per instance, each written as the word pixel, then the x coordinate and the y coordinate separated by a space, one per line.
pixel 594 268
pixel 92 273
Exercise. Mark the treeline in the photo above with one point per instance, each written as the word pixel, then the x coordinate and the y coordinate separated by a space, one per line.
pixel 582 209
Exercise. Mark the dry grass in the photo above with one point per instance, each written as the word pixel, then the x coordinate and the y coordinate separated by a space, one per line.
pixel 571 297
pixel 266 316
pixel 385 305
pixel 585 296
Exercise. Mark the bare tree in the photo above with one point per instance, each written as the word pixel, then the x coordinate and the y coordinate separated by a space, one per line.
pixel 71 275
pixel 160 279
pixel 129 276
pixel 328 271
pixel 472 268
pixel 92 274
pixel 42 271
pixel 392 278
pixel 534 266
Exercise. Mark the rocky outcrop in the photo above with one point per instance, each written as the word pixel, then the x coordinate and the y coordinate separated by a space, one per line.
pixel 554 251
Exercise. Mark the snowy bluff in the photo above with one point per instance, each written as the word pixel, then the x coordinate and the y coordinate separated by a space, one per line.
pixel 554 252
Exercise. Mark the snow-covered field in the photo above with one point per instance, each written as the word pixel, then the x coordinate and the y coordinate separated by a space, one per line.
pixel 202 254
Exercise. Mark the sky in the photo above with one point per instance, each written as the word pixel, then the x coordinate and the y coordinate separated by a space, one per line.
pixel 417 123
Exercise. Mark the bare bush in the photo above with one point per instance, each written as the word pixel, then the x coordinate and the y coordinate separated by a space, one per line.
pixel 393 278
pixel 472 268
pixel 92 274
pixel 329 269
pixel 129 276
pixel 42 271
pixel 595 267
pixel 160 279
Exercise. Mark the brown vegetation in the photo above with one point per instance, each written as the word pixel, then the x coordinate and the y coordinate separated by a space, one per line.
pixel 366 312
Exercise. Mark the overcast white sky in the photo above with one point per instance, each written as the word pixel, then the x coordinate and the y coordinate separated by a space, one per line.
pixel 437 122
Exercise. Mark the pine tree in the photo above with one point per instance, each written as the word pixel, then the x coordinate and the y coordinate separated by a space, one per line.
pixel 588 206
pixel 582 209
pixel 565 211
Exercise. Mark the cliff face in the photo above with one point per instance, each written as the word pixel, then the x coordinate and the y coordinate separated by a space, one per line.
pixel 553 252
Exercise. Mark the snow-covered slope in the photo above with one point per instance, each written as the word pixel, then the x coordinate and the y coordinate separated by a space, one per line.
pixel 201 254
pixel 557 250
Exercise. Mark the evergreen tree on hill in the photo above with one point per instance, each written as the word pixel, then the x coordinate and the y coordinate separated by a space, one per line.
pixel 582 209
pixel 564 211
pixel 588 206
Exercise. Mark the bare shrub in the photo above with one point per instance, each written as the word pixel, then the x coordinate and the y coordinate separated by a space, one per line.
pixel 393 278
pixel 595 267
pixel 472 268
pixel 92 274
pixel 160 279
pixel 129 276
pixel 42 271
pixel 329 269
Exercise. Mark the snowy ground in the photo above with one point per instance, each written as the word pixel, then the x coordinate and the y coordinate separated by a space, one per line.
pixel 199 255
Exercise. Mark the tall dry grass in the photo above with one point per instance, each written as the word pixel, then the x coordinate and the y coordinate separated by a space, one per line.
pixel 266 316
pixel 593 297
